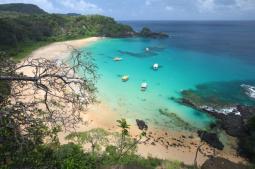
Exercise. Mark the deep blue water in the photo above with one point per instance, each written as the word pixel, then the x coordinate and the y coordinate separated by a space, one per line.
pixel 233 38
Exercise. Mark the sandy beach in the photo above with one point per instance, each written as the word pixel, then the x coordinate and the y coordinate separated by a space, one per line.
pixel 171 145
pixel 61 50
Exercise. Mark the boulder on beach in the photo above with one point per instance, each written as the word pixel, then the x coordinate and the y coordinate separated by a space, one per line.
pixel 141 124
pixel 211 139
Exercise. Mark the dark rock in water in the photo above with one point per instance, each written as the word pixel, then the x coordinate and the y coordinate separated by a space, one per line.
pixel 232 111
pixel 210 138
pixel 233 122
pixel 233 125
pixel 221 163
pixel 147 33
pixel 247 112
pixel 141 124
pixel 138 54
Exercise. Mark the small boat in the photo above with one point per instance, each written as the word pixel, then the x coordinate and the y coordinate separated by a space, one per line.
pixel 155 66
pixel 144 86
pixel 147 49
pixel 117 59
pixel 124 78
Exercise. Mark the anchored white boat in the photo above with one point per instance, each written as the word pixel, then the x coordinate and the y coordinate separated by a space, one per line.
pixel 125 78
pixel 147 49
pixel 144 86
pixel 117 59
pixel 155 66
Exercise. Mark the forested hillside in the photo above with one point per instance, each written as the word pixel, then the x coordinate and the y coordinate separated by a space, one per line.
pixel 20 30
pixel 22 8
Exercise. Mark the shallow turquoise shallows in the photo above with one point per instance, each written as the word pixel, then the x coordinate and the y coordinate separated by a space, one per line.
pixel 179 69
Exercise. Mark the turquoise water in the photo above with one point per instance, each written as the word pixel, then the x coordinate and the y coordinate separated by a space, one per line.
pixel 180 70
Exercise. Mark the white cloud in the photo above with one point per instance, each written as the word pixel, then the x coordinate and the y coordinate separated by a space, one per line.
pixel 61 6
pixel 80 6
pixel 169 8
pixel 245 4
pixel 206 5
pixel 224 5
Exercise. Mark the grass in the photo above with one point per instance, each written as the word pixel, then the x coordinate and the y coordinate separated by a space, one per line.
pixel 27 48
pixel 175 165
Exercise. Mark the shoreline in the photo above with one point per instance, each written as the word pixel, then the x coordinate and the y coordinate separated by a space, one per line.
pixel 169 145
pixel 61 50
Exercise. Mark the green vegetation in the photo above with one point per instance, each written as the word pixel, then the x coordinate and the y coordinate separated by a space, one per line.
pixel 36 154
pixel 22 8
pixel 95 137
pixel 173 165
pixel 27 48
pixel 4 85
pixel 23 30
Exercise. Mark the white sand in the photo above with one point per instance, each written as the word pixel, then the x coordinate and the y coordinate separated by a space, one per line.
pixel 61 50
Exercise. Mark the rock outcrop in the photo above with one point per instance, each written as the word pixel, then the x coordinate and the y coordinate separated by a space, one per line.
pixel 221 163
pixel 232 119
pixel 211 139
pixel 141 124
pixel 147 33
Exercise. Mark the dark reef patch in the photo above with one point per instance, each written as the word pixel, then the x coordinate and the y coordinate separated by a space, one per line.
pixel 138 54
pixel 219 94
pixel 153 51
pixel 171 120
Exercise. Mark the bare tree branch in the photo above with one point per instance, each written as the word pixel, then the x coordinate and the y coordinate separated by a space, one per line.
pixel 53 91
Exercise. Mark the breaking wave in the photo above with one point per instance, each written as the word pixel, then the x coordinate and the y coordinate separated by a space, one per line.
pixel 249 90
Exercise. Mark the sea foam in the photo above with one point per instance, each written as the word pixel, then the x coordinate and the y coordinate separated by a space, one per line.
pixel 249 90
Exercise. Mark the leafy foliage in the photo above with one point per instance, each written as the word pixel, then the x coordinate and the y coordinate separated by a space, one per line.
pixel 96 137
pixel 17 30
pixel 71 156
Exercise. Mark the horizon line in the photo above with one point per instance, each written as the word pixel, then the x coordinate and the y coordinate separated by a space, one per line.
pixel 185 20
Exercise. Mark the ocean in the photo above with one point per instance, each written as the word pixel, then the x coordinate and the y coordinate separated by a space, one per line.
pixel 219 56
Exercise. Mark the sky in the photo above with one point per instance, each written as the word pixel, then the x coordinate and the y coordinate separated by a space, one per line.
pixel 152 9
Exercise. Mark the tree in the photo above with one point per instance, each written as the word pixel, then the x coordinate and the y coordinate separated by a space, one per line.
pixel 126 143
pixel 96 137
pixel 42 102
pixel 52 89
pixel 122 123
